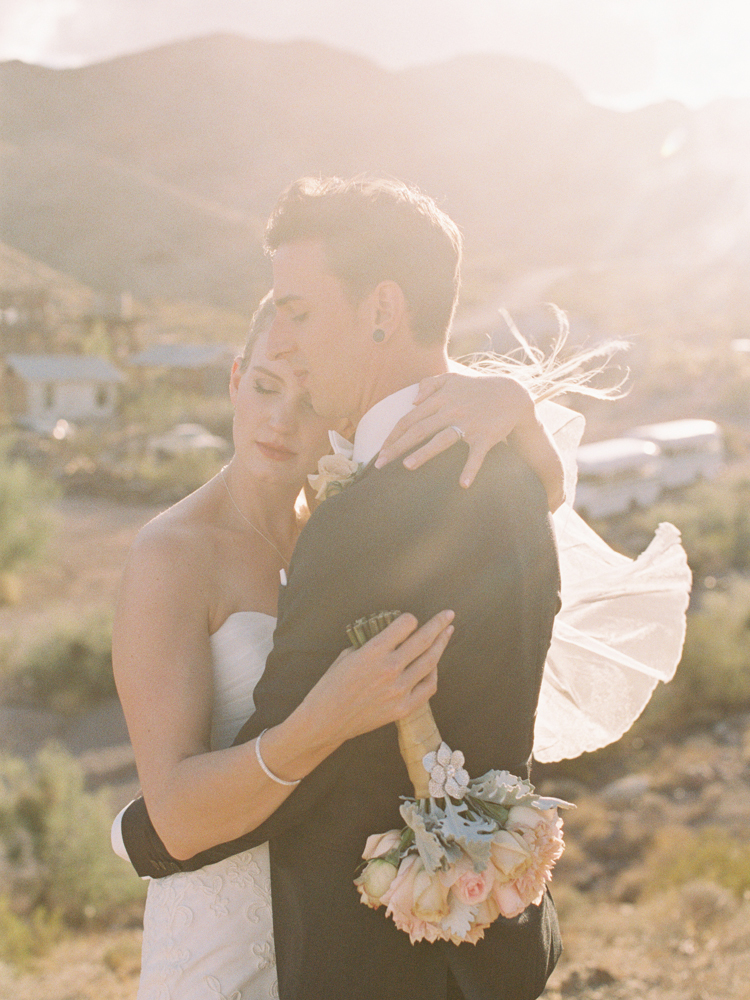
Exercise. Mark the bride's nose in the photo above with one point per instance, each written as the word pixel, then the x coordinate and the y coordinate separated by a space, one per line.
pixel 284 415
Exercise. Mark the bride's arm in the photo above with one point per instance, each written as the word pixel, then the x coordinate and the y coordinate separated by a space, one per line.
pixel 162 661
pixel 487 409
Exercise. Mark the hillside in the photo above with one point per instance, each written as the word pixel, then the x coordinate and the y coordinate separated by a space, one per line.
pixel 154 172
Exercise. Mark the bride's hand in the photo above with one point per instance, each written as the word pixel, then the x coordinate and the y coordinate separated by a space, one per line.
pixel 393 674
pixel 481 410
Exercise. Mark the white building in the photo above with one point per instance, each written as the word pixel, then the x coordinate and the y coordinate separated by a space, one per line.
pixel 617 475
pixel 40 389
pixel 690 449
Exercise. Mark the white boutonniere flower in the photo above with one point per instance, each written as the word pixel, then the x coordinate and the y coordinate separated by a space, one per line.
pixel 334 473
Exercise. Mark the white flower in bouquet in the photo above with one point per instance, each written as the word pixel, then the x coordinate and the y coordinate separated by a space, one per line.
pixel 447 773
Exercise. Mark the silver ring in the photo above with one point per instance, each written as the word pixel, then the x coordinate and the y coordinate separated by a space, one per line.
pixel 458 431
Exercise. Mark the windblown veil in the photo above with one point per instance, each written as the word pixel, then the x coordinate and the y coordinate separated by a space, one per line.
pixel 621 626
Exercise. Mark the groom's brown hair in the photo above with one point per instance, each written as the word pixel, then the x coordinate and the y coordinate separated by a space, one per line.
pixel 377 230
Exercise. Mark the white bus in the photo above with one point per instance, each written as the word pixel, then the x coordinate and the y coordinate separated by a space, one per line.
pixel 617 475
pixel 690 449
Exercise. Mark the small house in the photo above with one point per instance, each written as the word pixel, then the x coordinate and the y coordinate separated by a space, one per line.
pixel 40 389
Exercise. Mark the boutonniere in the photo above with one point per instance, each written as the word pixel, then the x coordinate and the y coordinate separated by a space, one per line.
pixel 334 474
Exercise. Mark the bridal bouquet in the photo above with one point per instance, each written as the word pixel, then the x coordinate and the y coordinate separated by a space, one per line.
pixel 471 850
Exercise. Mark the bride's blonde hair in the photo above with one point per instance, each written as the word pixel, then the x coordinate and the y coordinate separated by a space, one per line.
pixel 551 374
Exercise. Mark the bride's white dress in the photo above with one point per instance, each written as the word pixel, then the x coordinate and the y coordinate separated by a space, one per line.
pixel 208 935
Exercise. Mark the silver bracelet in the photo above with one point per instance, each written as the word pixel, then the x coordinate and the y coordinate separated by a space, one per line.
pixel 266 769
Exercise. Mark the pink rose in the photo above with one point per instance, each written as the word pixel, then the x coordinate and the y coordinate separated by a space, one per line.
pixel 472 887
pixel 517 883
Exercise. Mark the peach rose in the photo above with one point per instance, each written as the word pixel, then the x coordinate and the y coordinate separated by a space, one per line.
pixel 508 899
pixel 400 901
pixel 541 830
pixel 379 844
pixel 430 898
pixel 526 817
pixel 509 854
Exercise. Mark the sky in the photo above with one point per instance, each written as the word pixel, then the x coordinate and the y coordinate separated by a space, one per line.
pixel 621 53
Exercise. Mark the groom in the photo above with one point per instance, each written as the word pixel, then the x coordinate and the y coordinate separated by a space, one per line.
pixel 365 283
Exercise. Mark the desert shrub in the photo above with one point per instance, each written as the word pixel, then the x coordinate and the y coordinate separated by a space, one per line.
pixel 24 938
pixel 156 406
pixel 714 519
pixel 71 668
pixel 680 856
pixel 54 839
pixel 713 677
pixel 143 477
pixel 173 478
pixel 25 520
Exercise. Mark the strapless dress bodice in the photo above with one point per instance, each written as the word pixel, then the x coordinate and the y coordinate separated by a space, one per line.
pixel 239 649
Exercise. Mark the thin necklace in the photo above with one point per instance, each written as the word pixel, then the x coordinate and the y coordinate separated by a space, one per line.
pixel 248 521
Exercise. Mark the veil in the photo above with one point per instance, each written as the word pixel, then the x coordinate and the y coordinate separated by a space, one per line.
pixel 621 626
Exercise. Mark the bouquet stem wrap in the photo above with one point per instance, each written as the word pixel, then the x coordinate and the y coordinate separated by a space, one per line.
pixel 417 736
pixel 471 850
pixel 417 733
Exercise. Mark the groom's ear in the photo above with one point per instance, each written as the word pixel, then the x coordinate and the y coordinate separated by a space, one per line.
pixel 389 308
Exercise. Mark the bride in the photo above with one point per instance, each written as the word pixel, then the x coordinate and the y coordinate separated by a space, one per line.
pixel 194 624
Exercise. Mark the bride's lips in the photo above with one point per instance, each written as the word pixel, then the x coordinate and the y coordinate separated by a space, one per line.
pixel 276 452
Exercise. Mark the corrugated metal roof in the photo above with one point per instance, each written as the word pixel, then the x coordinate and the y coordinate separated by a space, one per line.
pixel 63 368
pixel 182 355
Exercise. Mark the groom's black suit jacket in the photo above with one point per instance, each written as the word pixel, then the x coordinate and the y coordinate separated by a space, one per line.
pixel 418 542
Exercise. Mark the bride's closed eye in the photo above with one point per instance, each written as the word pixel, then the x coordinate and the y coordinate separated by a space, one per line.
pixel 265 389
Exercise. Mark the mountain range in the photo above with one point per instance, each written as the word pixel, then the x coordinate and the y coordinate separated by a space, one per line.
pixel 153 173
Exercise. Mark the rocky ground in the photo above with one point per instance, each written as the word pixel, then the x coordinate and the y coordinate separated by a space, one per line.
pixel 653 890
